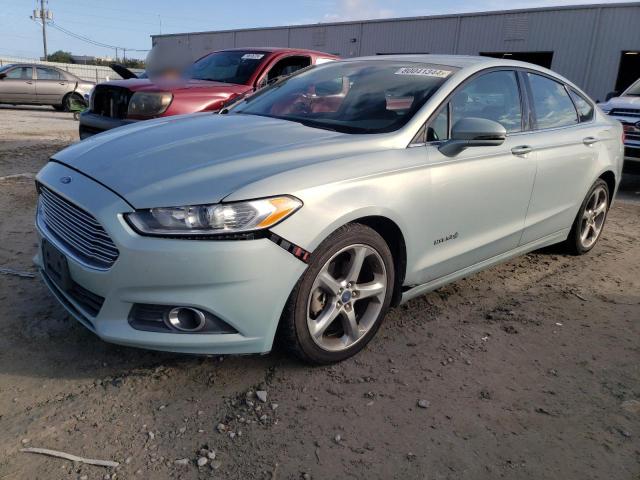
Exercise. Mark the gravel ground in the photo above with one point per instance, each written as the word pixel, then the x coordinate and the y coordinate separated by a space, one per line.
pixel 527 370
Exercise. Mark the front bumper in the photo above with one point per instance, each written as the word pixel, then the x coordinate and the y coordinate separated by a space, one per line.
pixel 92 123
pixel 245 283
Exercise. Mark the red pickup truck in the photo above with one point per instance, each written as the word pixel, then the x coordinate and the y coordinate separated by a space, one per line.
pixel 211 82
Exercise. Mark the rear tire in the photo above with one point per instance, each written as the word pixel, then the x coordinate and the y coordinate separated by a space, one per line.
pixel 589 223
pixel 58 108
pixel 339 303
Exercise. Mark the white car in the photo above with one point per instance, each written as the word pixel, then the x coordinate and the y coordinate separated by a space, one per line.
pixel 626 109
pixel 311 207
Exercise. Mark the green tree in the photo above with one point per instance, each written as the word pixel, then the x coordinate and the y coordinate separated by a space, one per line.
pixel 60 56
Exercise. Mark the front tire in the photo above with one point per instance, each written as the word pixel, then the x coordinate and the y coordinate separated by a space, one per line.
pixel 339 303
pixel 68 98
pixel 589 223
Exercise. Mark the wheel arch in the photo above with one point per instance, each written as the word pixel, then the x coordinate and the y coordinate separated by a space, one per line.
pixel 610 178
pixel 392 235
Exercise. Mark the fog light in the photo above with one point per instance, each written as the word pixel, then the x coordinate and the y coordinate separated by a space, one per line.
pixel 186 319
pixel 176 319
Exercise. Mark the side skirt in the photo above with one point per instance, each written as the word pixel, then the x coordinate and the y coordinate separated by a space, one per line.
pixel 503 257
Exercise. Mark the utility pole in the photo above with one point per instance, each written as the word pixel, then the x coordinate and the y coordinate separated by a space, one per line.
pixel 43 15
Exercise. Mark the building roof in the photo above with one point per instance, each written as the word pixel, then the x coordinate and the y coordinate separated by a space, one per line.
pixel 424 17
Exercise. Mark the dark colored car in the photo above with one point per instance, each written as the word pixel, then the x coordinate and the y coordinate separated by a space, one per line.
pixel 36 84
pixel 210 83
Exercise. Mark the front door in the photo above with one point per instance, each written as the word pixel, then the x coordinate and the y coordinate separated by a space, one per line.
pixel 18 86
pixel 477 199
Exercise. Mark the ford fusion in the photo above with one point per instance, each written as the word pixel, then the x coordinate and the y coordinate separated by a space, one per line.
pixel 303 213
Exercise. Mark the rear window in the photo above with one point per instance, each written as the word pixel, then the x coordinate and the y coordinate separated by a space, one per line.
pixel 551 103
pixel 227 67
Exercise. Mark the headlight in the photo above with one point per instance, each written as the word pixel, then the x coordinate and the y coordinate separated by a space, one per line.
pixel 216 219
pixel 143 104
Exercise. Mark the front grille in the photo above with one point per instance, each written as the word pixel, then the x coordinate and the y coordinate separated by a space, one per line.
pixel 625 112
pixel 78 230
pixel 111 101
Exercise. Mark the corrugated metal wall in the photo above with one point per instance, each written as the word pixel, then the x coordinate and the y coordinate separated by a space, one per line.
pixel 586 41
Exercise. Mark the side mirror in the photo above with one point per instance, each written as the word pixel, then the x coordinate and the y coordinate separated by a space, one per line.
pixel 610 95
pixel 473 132
pixel 3 76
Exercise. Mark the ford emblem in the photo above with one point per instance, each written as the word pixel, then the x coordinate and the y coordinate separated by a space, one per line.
pixel 65 180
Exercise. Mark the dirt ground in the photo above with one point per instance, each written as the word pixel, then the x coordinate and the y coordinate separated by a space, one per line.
pixel 530 370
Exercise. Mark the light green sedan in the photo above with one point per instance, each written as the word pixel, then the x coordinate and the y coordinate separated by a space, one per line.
pixel 307 210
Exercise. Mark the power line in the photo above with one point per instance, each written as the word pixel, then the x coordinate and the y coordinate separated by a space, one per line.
pixel 91 41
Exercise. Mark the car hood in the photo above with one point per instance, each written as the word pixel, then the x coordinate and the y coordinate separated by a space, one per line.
pixel 626 101
pixel 123 71
pixel 176 85
pixel 201 158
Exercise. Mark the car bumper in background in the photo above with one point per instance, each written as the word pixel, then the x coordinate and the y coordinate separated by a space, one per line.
pixel 244 283
pixel 91 124
pixel 632 152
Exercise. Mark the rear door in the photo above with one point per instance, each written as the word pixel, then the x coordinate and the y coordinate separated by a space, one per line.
pixel 18 86
pixel 478 199
pixel 566 141
pixel 51 86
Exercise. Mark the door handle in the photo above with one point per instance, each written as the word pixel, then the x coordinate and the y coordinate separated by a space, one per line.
pixel 521 150
pixel 30 82
pixel 589 141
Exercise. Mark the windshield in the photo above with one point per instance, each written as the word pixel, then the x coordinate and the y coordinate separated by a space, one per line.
pixel 351 97
pixel 634 89
pixel 228 67
pixel 6 67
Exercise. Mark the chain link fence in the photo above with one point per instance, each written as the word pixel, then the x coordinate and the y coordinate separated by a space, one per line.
pixel 92 73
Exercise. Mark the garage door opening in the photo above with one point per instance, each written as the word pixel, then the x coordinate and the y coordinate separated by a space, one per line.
pixel 629 70
pixel 538 58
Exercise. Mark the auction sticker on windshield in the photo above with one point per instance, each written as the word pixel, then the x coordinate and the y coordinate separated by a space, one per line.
pixel 252 56
pixel 425 72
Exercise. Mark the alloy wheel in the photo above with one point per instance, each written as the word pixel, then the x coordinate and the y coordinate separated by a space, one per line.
pixel 593 217
pixel 346 297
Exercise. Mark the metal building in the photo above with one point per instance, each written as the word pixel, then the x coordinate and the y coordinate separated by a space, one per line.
pixel 596 46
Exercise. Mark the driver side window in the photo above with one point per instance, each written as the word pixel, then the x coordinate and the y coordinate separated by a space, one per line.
pixel 287 66
pixel 438 129
pixel 492 96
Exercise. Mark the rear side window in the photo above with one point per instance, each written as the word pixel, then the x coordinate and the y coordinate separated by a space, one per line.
pixel 494 96
pixel 48 74
pixel 551 103
pixel 584 107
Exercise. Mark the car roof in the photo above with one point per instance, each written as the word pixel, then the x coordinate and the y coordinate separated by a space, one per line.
pixel 466 63
pixel 460 61
pixel 34 65
pixel 277 50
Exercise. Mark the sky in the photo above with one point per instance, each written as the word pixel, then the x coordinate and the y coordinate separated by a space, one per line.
pixel 129 24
